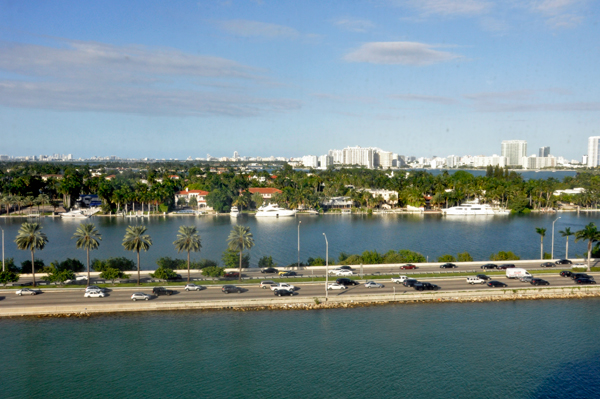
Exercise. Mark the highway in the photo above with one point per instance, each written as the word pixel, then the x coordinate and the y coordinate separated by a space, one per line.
pixel 74 296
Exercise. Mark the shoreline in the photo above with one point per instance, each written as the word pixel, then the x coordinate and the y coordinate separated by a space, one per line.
pixel 313 303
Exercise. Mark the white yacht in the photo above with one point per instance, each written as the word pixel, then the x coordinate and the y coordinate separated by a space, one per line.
pixel 234 212
pixel 74 214
pixel 475 209
pixel 273 210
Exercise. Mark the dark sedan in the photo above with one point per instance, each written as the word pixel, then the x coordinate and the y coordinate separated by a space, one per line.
pixel 584 281
pixel 448 266
pixel 495 283
pixel 409 282
pixel 566 273
pixel 484 277
pixel 488 266
pixel 346 281
pixel 269 270
pixel 547 264
pixel 506 266
pixel 283 292
pixel 288 274
pixel 538 281
pixel 564 262
pixel 231 288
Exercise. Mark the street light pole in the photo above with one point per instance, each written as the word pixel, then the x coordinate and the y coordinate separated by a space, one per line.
pixel 3 268
pixel 326 267
pixel 299 243
pixel 552 255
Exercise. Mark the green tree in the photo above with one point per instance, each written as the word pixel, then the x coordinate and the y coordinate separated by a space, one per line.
pixel 60 276
pixel 318 261
pixel 231 259
pixel 408 256
pixel 240 239
pixel 8 276
pixel 371 258
pixel 119 263
pixel 266 261
pixel 590 234
pixel 135 240
pixel 567 233
pixel 392 256
pixel 213 271
pixel 257 198
pixel 464 257
pixel 31 238
pixel 9 265
pixel 188 240
pixel 163 273
pixel 112 274
pixel 446 258
pixel 504 255
pixel 542 232
pixel 26 265
pixel 88 238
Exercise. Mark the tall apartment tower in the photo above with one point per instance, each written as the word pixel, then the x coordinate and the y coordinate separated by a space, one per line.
pixel 514 151
pixel 544 152
pixel 593 159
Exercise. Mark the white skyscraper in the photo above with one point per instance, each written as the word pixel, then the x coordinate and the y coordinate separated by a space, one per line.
pixel 593 159
pixel 514 151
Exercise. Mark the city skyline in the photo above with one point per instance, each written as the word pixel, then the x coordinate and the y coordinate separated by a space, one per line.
pixel 434 77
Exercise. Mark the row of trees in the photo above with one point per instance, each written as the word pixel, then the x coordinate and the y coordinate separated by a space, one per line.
pixel 589 233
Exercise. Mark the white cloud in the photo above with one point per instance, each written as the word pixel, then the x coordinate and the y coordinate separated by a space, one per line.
pixel 401 53
pixel 528 101
pixel 354 25
pixel 424 98
pixel 559 13
pixel 450 7
pixel 246 28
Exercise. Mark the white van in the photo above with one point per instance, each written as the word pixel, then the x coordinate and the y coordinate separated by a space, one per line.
pixel 517 272
pixel 475 280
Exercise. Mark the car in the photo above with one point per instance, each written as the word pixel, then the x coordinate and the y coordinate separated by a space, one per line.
pixel 399 279
pixel 563 262
pixel 269 270
pixel 489 266
pixel 232 274
pixel 94 294
pixel 425 287
pixel 283 286
pixel 373 284
pixel 345 268
pixel 548 264
pixel 566 273
pixel 584 281
pixel 288 274
pixel 336 286
pixel 193 287
pixel 335 270
pixel 141 296
pixel 408 267
pixel 158 291
pixel 495 283
pixel 409 282
pixel 283 293
pixel 231 288
pixel 448 266
pixel 475 280
pixel 578 266
pixel 344 273
pixel 94 288
pixel 175 277
pixel 526 279
pixel 506 266
pixel 266 284
pixel 346 281
pixel 581 275
pixel 484 277
pixel 538 281
pixel 28 291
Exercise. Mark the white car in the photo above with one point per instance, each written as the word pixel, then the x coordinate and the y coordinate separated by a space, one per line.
pixel 94 294
pixel 267 284
pixel 282 286
pixel 193 287
pixel 27 291
pixel 94 288
pixel 336 286
pixel 343 272
pixel 373 284
pixel 139 296
pixel 578 265
pixel 399 279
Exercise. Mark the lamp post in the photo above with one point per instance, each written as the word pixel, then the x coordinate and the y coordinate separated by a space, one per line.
pixel 299 243
pixel 326 267
pixel 552 254
pixel 3 269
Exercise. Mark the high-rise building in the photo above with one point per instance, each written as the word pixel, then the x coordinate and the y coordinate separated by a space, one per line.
pixel 359 156
pixel 325 161
pixel 385 159
pixel 544 152
pixel 236 155
pixel 310 161
pixel 514 151
pixel 593 159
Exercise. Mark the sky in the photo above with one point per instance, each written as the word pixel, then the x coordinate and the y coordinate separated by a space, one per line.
pixel 290 78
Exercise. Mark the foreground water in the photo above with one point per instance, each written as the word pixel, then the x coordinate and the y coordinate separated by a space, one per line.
pixel 432 235
pixel 523 349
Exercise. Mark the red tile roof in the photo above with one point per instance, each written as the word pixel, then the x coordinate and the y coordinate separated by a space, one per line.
pixel 200 192
pixel 264 190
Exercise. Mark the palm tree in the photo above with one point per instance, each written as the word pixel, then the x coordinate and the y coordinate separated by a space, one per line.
pixel 542 232
pixel 591 234
pixel 31 238
pixel 239 239
pixel 88 238
pixel 188 240
pixel 135 240
pixel 566 233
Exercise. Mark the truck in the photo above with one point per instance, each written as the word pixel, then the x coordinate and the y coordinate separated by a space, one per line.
pixel 516 272
pixel 399 279
pixel 282 286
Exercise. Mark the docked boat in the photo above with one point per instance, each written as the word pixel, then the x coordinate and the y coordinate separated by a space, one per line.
pixel 74 214
pixel 475 209
pixel 273 210
pixel 234 212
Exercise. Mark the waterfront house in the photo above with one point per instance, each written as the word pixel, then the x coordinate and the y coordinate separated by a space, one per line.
pixel 266 192
pixel 200 196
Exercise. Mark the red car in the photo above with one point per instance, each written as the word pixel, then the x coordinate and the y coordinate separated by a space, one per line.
pixel 408 267
pixel 232 274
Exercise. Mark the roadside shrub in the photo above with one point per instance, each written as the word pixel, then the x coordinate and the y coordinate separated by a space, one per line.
pixel 318 261
pixel 170 263
pixel 266 261
pixel 163 273
pixel 8 276
pixel 446 258
pixel 73 265
pixel 371 258
pixel 202 263
pixel 60 276
pixel 411 256
pixel 547 255
pixel 504 255
pixel 163 208
pixel 26 266
pixel 464 257
pixel 353 260
pixel 113 274
pixel 213 271
pixel 9 265
pixel 232 259
pixel 119 263
pixel 342 257
pixel 392 256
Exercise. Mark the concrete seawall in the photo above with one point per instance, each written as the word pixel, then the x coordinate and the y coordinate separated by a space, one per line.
pixel 307 302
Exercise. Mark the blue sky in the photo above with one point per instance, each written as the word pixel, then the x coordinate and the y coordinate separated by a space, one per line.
pixel 289 78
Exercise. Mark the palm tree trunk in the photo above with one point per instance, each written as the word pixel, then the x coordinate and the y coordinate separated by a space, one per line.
pixel 138 265
pixel 240 271
pixel 188 266
pixel 88 264
pixel 542 249
pixel 567 250
pixel 32 268
pixel 589 255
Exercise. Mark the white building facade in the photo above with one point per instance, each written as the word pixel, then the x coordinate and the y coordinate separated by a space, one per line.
pixel 593 158
pixel 514 151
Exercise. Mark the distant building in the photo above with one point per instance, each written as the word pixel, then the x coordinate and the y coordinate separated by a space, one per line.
pixel 310 161
pixel 200 196
pixel 266 192
pixel 495 160
pixel 385 159
pixel 544 151
pixel 514 151
pixel 534 162
pixel 236 155
pixel 593 154
pixel 325 161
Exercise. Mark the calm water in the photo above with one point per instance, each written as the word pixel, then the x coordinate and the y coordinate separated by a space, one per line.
pixel 525 349
pixel 432 235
